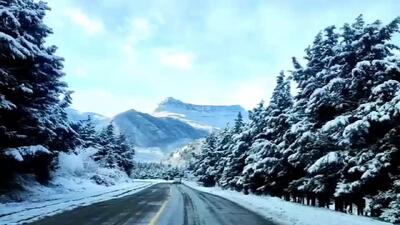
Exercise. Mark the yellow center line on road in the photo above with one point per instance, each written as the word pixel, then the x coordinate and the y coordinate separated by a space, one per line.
pixel 155 219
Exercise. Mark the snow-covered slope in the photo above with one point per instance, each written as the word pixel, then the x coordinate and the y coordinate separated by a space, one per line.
pixel 100 121
pixel 183 156
pixel 200 115
pixel 145 130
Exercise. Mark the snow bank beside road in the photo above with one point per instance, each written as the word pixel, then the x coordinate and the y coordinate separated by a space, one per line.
pixel 54 203
pixel 77 181
pixel 288 213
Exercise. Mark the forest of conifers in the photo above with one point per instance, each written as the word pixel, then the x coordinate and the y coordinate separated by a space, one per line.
pixel 335 141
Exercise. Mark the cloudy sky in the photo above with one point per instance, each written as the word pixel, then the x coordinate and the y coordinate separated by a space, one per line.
pixel 123 54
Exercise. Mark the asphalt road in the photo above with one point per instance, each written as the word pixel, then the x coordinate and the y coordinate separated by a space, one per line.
pixel 161 204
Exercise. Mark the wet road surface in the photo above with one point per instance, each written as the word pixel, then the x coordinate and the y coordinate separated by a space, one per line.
pixel 161 204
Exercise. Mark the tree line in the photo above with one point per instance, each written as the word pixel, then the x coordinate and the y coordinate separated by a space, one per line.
pixel 336 141
pixel 153 170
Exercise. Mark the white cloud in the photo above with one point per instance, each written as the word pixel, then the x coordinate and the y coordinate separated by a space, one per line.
pixel 129 52
pixel 176 59
pixel 91 26
pixel 249 93
pixel 139 29
pixel 107 103
pixel 80 72
pixel 141 25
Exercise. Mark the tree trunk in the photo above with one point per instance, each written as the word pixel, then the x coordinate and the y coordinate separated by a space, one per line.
pixel 321 202
pixel 360 206
pixel 339 204
pixel 326 201
pixel 313 200
pixel 287 196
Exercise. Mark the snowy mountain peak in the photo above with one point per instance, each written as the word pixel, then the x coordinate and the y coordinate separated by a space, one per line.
pixel 171 101
pixel 217 116
pixel 171 104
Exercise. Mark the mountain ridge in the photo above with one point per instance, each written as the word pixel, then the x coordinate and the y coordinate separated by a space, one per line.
pixel 172 125
pixel 214 116
pixel 145 130
pixel 173 101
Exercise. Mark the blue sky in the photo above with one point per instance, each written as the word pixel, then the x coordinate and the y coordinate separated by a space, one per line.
pixel 123 54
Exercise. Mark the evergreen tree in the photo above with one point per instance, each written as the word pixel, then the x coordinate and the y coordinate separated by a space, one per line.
pixel 257 118
pixel 237 153
pixel 207 161
pixel 87 132
pixel 150 170
pixel 108 145
pixel 124 154
pixel 114 151
pixel 238 123
pixel 222 152
pixel 31 112
pixel 265 159
pixel 338 139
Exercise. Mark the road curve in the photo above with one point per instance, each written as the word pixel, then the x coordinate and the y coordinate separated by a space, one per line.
pixel 161 204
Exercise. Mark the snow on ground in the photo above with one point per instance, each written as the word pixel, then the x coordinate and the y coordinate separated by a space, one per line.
pixel 49 201
pixel 73 185
pixel 288 213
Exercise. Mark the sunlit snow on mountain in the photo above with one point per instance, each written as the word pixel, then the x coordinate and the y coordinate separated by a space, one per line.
pixel 171 126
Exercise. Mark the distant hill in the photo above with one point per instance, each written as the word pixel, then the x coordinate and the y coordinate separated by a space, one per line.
pixel 145 130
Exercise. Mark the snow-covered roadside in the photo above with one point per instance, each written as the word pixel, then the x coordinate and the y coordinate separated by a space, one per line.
pixel 287 213
pixel 50 204
pixel 78 181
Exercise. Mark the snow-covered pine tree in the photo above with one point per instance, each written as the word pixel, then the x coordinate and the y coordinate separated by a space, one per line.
pixel 207 160
pixel 387 203
pixel 257 118
pixel 238 151
pixel 238 125
pixel 124 154
pixel 236 148
pixel 150 170
pixel 368 127
pixel 303 144
pixel 277 110
pixel 350 116
pixel 340 139
pixel 31 112
pixel 265 160
pixel 108 144
pixel 113 150
pixel 87 132
pixel 224 139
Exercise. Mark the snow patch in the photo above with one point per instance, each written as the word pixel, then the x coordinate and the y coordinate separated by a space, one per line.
pixel 326 160
pixel 26 151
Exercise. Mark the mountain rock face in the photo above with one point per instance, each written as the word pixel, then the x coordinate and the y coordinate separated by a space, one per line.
pixel 204 115
pixel 144 130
